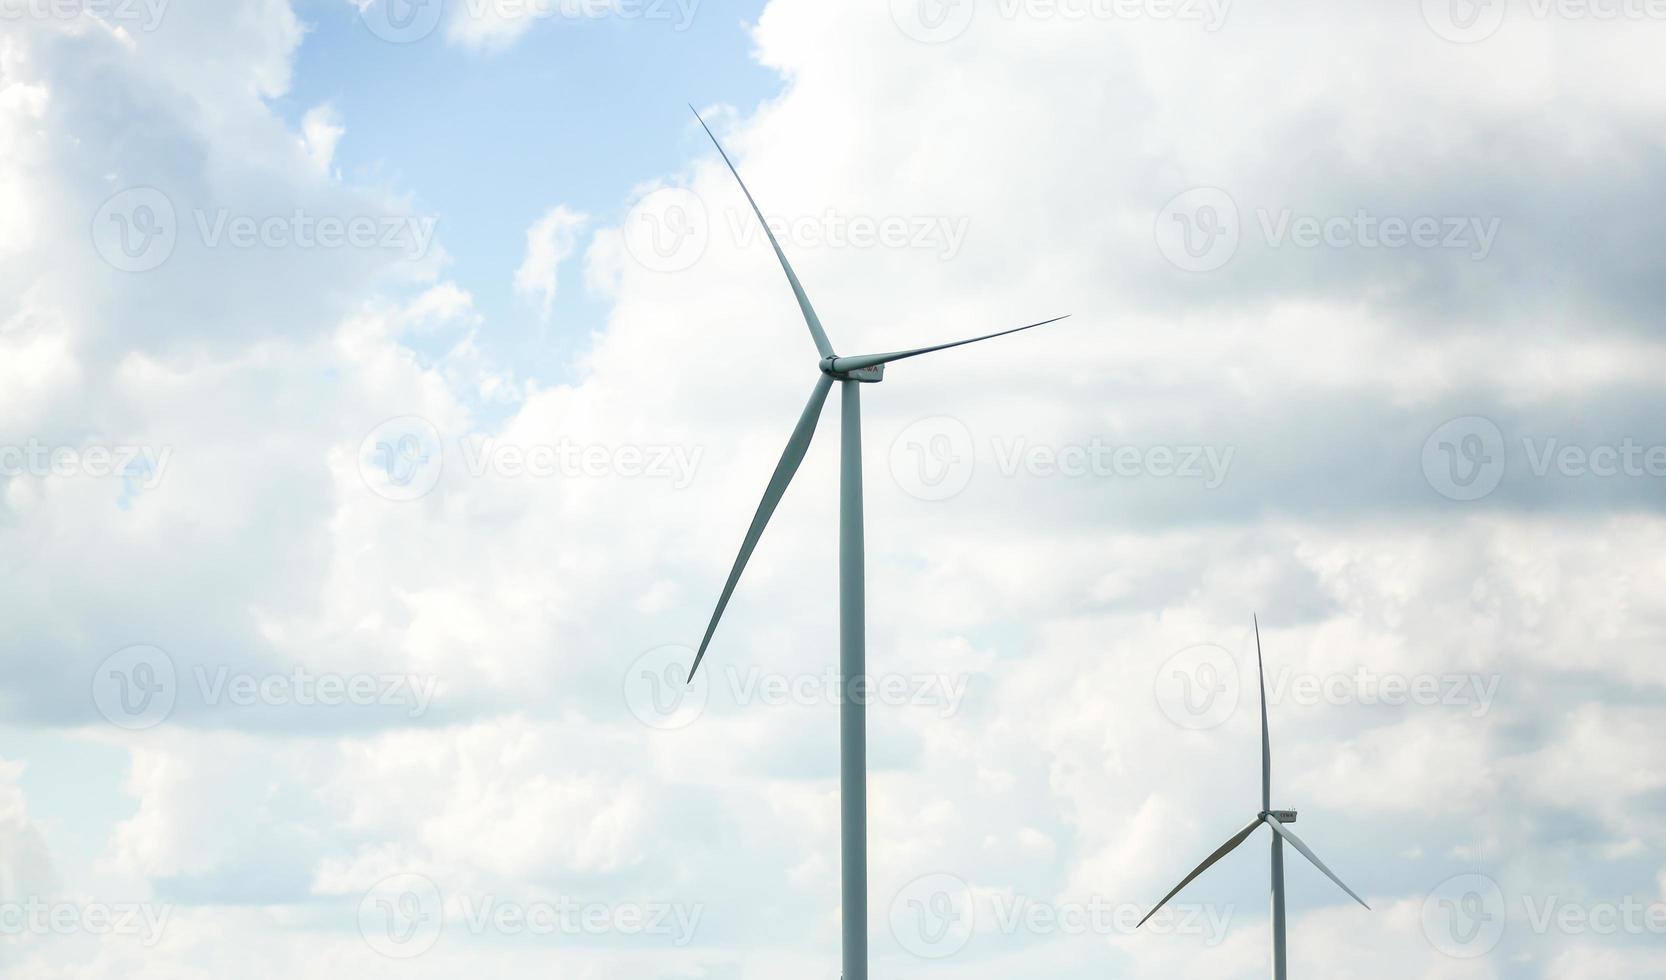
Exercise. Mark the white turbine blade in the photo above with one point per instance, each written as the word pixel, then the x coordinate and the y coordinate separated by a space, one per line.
pixel 797 446
pixel 1290 835
pixel 842 365
pixel 1209 862
pixel 816 333
pixel 1266 738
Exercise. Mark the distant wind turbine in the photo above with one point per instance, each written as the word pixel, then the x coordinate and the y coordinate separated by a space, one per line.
pixel 1279 820
pixel 851 373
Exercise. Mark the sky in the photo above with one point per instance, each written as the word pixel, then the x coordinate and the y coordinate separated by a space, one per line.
pixel 386 385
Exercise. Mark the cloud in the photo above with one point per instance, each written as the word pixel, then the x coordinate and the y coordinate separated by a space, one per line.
pixel 354 490
pixel 550 241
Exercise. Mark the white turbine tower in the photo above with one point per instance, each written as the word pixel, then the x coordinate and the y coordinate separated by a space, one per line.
pixel 1279 821
pixel 851 373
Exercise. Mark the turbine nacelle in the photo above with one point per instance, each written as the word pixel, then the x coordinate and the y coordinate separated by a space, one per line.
pixel 872 374
pixel 1282 816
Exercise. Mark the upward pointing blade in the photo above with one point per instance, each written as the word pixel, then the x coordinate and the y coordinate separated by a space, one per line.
pixel 797 446
pixel 842 365
pixel 1266 739
pixel 1290 835
pixel 1209 862
pixel 816 333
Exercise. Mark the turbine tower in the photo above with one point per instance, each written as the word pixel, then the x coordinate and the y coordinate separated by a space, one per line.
pixel 851 373
pixel 1279 820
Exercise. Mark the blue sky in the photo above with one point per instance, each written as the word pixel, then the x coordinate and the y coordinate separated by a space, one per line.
pixel 487 141
pixel 393 621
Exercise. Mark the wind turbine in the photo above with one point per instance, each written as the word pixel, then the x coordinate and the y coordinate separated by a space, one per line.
pixel 1279 820
pixel 851 373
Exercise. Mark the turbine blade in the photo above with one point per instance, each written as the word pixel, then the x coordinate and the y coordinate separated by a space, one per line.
pixel 1266 738
pixel 1221 852
pixel 816 333
pixel 797 446
pixel 842 365
pixel 1290 835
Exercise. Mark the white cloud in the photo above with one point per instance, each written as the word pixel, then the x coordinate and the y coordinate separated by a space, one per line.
pixel 321 130
pixel 550 241
pixel 1055 599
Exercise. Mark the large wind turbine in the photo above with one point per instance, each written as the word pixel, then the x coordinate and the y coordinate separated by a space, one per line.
pixel 1279 820
pixel 851 373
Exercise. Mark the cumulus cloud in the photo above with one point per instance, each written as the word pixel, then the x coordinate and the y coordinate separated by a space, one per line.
pixel 356 487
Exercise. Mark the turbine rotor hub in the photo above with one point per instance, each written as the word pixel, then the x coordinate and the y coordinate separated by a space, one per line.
pixel 866 375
